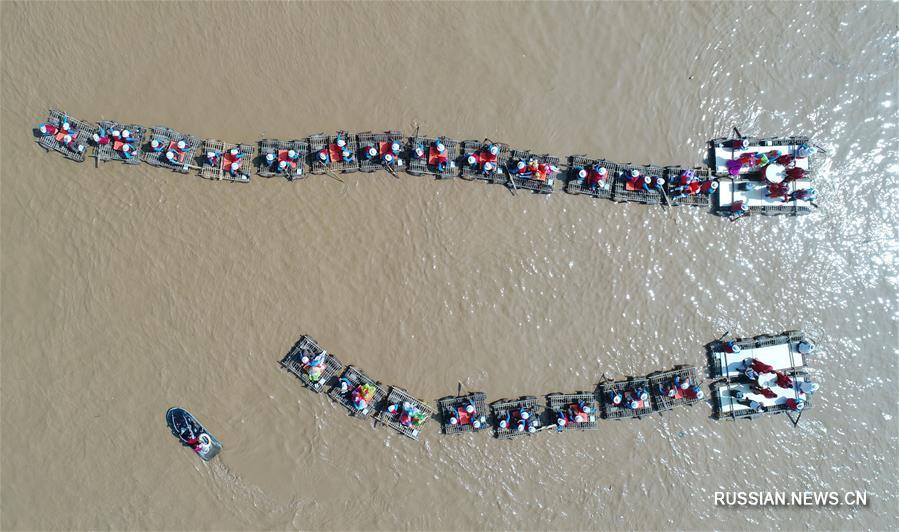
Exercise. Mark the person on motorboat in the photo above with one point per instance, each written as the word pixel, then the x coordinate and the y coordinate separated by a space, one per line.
pixel 757 365
pixel 796 405
pixel 783 380
pixel 731 346
pixel 779 190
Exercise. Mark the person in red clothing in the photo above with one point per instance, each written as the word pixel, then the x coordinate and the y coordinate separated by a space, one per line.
pixel 783 380
pixel 758 366
pixel 795 405
pixel 779 190
pixel 767 392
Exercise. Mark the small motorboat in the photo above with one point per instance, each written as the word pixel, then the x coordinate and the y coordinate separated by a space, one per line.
pixel 192 434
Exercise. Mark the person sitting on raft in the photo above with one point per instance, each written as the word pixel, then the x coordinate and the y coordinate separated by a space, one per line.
pixel 708 187
pixel 323 156
pixel 779 190
pixel 407 414
pixel 419 151
pixel 345 154
pixel 47 130
pixel 638 182
pixel 360 395
pixel 597 177
pixel 212 158
pixel 101 138
pixel 440 158
pixel 389 157
pixel 636 398
pixel 369 152
pixel 235 156
pixel 738 209
pixel 731 346
pixel 805 194
pixel 615 398
pixel 690 189
pixel 524 420
pixel 574 413
pixel 314 367
pixel 796 405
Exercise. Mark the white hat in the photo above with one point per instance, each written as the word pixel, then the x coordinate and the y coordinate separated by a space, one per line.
pixel 440 147
pixel 234 151
pixel 181 144
pixel 67 139
pixel 532 429
pixel 809 387
pixel 525 415
pixel 471 159
pixel 388 157
pixel 616 399
pixel 269 157
pixel 582 173
pixel 737 348
pixel 672 392
pixel 323 155
pixel 685 384
pixel 521 165
pixel 170 155
pixel 634 405
pixel 345 153
pixel 503 423
pixel 644 396
pixel 80 148
pixel 714 185
pixel 586 409
pixel 155 143
pixel 126 133
pixel 344 386
pixel 304 359
pixel 43 129
pixel 521 427
pixel 469 408
pixel 395 147
pixel 647 179
pixel 372 151
pixel 579 418
pixel 660 181
pixel 488 166
pixel 282 164
pixel 700 395
pixel 407 405
pixel 494 149
pixel 341 143
pixel 126 147
pixel 454 421
pixel 602 170
pixel 476 424
pixel 291 153
pixel 97 139
pixel 115 132
pixel 635 173
pixel 561 422
pixel 210 154
pixel 800 404
pixel 66 126
pixel 419 152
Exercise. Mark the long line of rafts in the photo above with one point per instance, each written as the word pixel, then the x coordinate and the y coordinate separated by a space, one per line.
pixel 744 176
pixel 634 397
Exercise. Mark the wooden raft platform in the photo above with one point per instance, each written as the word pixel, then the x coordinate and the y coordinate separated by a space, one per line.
pixel 666 392
pixel 755 195
pixel 308 347
pixel 382 144
pixel 780 351
pixel 725 149
pixel 505 409
pixel 455 406
pixel 427 163
pixel 726 404
pixel 75 150
pixel 168 139
pixel 355 378
pixel 528 181
pixel 222 168
pixel 626 388
pixel 562 404
pixel 624 191
pixel 113 150
pixel 575 184
pixel 673 181
pixel 279 150
pixel 397 397
pixel 478 163
pixel 333 160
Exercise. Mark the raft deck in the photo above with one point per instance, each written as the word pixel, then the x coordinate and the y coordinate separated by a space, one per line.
pixel 397 397
pixel 357 378
pixel 455 406
pixel 221 170
pixel 112 150
pixel 478 150
pixel 529 182
pixel 672 181
pixel 334 159
pixel 503 409
pixel 660 398
pixel 625 387
pixel 307 346
pixel 295 169
pixel 168 139
pixel 780 352
pixel 427 164
pixel 724 149
pixel 576 185
pixel 755 195
pixel 382 143
pixel 77 149
pixel 725 404
pixel 559 403
pixel 624 191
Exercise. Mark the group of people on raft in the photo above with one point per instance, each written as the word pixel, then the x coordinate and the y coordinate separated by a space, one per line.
pixel 468 415
pixel 407 414
pixel 762 378
pixel 435 155
pixel 232 161
pixel 485 160
pixel 680 388
pixel 632 398
pixel 776 170
pixel 534 169
pixel 175 151
pixel 386 153
pixel 522 419
pixel 282 161
pixel 579 412
pixel 360 395
pixel 338 151
pixel 64 134
pixel 122 141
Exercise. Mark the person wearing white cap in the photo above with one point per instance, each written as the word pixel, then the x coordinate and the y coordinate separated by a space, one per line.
pixel 488 167
pixel 126 151
pixel 155 145
pixel 170 156
pixel 323 156
pixel 524 414
pixel 347 155
pixel 561 421
pixel 731 347
pixel 615 398
pixel 476 424
pixel 292 155
pixel 340 142
pixel 453 420
pixel 126 134
pixel 440 147
pixel 532 429
pixel 395 147
pixel 805 347
pixel 235 153
pixel 419 151
pixel 708 187
pixel 65 126
pixel 472 160
pixel 698 393
pixel 282 166
pixel 181 145
pixel 521 426
pixel 493 149
pixel 47 129
pixel 503 423
pixel 270 158
pixel 469 408
pixel 371 152
pixel 212 158
pixel 116 134
pixel 581 173
pixel 634 404
pixel 388 158
pixel 67 139
pixel 521 167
